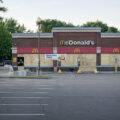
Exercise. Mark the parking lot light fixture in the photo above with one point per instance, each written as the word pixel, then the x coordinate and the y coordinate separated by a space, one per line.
pixel 38 24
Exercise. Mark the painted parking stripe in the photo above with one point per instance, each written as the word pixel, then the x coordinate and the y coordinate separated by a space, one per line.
pixel 46 88
pixel 40 80
pixel 26 97
pixel 24 104
pixel 8 84
pixel 23 92
pixel 27 88
pixel 22 114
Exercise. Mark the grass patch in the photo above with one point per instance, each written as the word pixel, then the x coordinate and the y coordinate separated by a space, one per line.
pixel 4 68
pixel 31 76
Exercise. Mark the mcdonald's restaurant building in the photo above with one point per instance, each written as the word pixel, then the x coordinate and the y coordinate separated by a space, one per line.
pixel 68 44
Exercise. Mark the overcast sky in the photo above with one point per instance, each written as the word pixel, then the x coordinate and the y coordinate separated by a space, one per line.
pixel 74 11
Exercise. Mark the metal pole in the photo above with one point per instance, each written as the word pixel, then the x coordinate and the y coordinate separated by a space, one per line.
pixel 39 51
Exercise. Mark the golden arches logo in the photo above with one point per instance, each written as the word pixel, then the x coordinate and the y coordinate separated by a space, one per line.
pixel 76 50
pixel 35 50
pixel 62 42
pixel 116 50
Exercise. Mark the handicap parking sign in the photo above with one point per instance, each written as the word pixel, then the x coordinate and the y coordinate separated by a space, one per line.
pixel 116 60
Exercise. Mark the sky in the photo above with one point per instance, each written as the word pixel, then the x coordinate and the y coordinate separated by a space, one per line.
pixel 76 12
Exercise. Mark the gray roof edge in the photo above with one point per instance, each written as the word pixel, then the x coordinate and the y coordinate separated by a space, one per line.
pixel 110 35
pixel 32 35
pixel 76 29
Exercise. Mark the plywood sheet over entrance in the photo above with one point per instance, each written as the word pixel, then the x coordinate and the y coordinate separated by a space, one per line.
pixel 88 61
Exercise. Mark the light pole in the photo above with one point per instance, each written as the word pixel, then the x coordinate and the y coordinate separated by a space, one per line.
pixel 38 23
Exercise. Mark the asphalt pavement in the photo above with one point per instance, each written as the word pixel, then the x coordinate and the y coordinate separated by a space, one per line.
pixel 64 97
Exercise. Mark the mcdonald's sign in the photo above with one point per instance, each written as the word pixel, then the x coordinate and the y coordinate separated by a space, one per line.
pixel 35 50
pixel 116 50
pixel 76 50
pixel 62 42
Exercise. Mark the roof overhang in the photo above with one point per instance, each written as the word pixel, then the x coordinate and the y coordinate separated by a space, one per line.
pixel 110 35
pixel 32 35
pixel 76 29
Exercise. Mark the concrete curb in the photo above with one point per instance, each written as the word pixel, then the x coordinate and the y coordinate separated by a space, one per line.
pixel 27 77
pixel 108 72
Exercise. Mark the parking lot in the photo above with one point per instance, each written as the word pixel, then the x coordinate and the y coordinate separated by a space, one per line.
pixel 63 97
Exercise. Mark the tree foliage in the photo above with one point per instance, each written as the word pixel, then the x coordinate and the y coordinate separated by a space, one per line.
pixel 105 27
pixel 113 29
pixel 2 9
pixel 7 27
pixel 13 26
pixel 5 42
pixel 48 24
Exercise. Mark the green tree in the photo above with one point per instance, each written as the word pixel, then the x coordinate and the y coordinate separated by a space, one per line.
pixel 7 27
pixel 13 26
pixel 113 29
pixel 5 43
pixel 97 24
pixel 48 24
pixel 2 9
pixel 105 27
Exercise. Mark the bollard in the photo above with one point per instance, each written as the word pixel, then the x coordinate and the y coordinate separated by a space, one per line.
pixel 115 68
pixel 95 71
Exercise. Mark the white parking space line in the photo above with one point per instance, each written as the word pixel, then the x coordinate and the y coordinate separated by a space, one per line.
pixel 42 85
pixel 36 81
pixel 46 88
pixel 26 97
pixel 23 85
pixel 23 92
pixel 3 83
pixel 22 114
pixel 27 88
pixel 23 104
